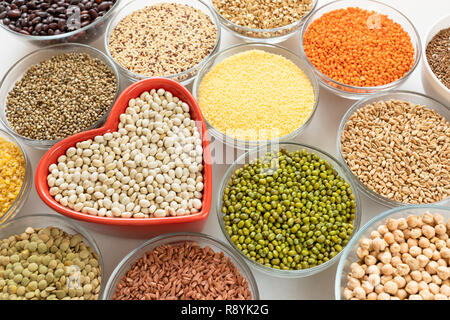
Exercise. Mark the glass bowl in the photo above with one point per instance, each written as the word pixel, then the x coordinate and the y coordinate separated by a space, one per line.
pixel 258 153
pixel 354 92
pixel 174 238
pixel 184 77
pixel 19 225
pixel 17 70
pixel 349 255
pixel 274 35
pixel 431 83
pixel 271 48
pixel 26 184
pixel 413 97
pixel 87 34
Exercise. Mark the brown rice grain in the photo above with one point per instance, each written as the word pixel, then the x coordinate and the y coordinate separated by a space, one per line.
pixel 183 272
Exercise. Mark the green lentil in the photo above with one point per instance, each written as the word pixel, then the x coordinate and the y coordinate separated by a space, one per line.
pixel 299 209
pixel 47 273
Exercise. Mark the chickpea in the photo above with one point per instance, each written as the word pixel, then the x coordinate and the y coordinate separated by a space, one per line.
pixel 422 285
pixel 415 233
pixel 359 293
pixel 387 269
pixel 400 281
pixel 399 236
pixel 353 283
pixel 402 294
pixel 356 270
pixel 445 253
pixel 412 242
pixel 435 279
pixel 403 269
pixel 375 235
pixel 436 255
pixel 442 262
pixel 361 253
pixel 385 279
pixel 440 296
pixel 348 294
pixel 389 238
pixel 392 224
pixel 373 270
pixel 404 247
pixel 382 229
pixel 378 244
pixel 412 287
pixel 427 218
pixel 374 280
pixel 379 288
pixel 402 224
pixel 426 277
pixel 434 288
pixel 391 287
pixel 412 263
pixel 416 275
pixel 394 247
pixel 415 297
pixel 372 296
pixel 443 272
pixel 424 242
pixel 395 261
pixel 445 290
pixel 440 244
pixel 385 257
pixel 428 231
pixel 438 218
pixel 423 260
pixel 412 221
pixel 431 267
pixel 384 296
pixel 440 229
pixel 427 252
pixel 426 294
pixel 415 250
pixel 370 260
pixel 364 243
pixel 367 286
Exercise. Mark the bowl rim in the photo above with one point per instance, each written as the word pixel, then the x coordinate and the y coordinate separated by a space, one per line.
pixel 346 88
pixel 63 35
pixel 248 144
pixel 361 104
pixel 367 225
pixel 290 273
pixel 250 278
pixel 424 52
pixel 74 48
pixel 282 28
pixel 133 90
pixel 131 74
pixel 78 227
pixel 26 183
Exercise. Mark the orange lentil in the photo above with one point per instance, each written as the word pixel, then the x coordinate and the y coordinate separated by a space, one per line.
pixel 359 47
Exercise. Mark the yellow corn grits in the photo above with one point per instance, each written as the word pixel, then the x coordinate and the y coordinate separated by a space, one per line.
pixel 256 95
pixel 12 173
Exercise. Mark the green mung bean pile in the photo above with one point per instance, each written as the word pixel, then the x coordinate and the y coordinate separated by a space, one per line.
pixel 288 210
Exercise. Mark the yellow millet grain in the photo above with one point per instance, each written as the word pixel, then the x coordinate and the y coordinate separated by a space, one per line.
pixel 12 173
pixel 256 95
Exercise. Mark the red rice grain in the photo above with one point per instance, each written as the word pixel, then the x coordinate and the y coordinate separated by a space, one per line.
pixel 183 272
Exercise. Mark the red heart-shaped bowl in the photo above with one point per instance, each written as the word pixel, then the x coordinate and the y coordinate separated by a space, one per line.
pixel 133 91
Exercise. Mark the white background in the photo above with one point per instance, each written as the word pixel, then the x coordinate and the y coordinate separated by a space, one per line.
pixel 320 133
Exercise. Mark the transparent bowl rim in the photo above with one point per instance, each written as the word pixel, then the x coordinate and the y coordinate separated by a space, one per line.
pixel 368 225
pixel 286 27
pixel 25 184
pixel 424 53
pixel 63 35
pixel 290 273
pixel 129 73
pixel 79 228
pixel 252 143
pixel 200 236
pixel 105 59
pixel 360 104
pixel 355 89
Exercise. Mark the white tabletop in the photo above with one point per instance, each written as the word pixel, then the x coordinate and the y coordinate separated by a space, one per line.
pixel 321 133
